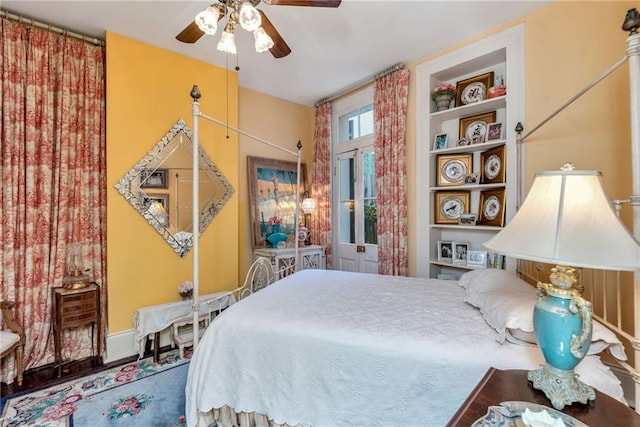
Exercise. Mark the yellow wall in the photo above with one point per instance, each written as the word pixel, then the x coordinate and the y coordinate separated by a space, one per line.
pixel 147 92
pixel 279 122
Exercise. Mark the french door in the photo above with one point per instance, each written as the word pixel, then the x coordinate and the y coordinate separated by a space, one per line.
pixel 356 236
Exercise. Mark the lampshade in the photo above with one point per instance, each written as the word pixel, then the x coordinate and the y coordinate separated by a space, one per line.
pixel 308 205
pixel 262 40
pixel 249 18
pixel 566 219
pixel 207 20
pixel 227 41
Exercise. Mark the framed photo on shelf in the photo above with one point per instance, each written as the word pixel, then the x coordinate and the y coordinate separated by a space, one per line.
pixel 477 259
pixel 472 178
pixel 474 89
pixel 462 142
pixel 440 141
pixel 476 125
pixel 445 250
pixel 492 164
pixel 460 250
pixel 452 168
pixel 450 205
pixel 154 178
pixel 467 219
pixel 491 207
pixel 494 131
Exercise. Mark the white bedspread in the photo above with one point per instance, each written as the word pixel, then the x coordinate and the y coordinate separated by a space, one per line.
pixel 329 348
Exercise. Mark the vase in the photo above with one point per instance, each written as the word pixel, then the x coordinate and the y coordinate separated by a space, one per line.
pixel 443 101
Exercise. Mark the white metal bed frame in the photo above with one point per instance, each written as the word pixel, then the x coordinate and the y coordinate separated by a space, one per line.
pixel 598 284
pixel 195 95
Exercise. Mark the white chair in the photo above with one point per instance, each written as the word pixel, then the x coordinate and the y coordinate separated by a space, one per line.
pixel 13 339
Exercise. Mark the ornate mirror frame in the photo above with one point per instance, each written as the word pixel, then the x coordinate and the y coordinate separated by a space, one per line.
pixel 148 187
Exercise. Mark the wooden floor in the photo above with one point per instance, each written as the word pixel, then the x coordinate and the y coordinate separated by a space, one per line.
pixel 48 375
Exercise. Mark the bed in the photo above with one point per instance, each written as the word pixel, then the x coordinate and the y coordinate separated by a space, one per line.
pixel 337 348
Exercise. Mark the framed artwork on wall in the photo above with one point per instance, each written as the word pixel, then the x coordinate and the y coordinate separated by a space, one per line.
pixel 450 205
pixel 491 207
pixel 474 89
pixel 272 196
pixel 493 166
pixel 476 127
pixel 154 178
pixel 452 168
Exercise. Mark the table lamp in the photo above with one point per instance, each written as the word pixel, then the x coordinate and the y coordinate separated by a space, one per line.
pixel 566 220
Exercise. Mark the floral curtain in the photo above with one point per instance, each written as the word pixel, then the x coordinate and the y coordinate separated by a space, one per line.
pixel 390 142
pixel 321 181
pixel 53 154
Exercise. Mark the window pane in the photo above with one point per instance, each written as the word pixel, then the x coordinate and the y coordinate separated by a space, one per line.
pixel 369 200
pixel 366 120
pixel 347 203
pixel 348 126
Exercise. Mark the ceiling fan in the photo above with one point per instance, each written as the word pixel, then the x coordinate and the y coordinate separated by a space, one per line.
pixel 244 12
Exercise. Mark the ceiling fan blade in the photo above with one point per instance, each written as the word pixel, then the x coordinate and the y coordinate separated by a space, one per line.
pixel 313 3
pixel 190 34
pixel 280 48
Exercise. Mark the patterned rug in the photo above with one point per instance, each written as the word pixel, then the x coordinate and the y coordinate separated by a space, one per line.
pixel 140 393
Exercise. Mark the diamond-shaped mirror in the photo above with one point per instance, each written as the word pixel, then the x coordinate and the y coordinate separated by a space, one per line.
pixel 160 188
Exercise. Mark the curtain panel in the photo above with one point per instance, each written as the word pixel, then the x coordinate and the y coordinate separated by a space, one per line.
pixel 390 143
pixel 321 181
pixel 53 151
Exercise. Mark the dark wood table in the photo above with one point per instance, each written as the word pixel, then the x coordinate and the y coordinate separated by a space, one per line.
pixel 512 385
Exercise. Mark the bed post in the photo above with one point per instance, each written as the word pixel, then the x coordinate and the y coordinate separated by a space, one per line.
pixel 631 24
pixel 195 307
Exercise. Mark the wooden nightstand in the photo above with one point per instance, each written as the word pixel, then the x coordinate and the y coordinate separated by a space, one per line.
pixel 73 308
pixel 512 385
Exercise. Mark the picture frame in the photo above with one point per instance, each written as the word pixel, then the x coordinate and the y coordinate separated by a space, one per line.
pixel 493 166
pixel 452 168
pixel 494 131
pixel 160 211
pixel 450 205
pixel 467 219
pixel 491 207
pixel 473 89
pixel 272 186
pixel 460 251
pixel 462 142
pixel 440 141
pixel 472 178
pixel 445 250
pixel 477 259
pixel 154 178
pixel 476 125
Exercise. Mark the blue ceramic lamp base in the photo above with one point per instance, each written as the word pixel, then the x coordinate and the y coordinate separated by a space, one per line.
pixel 562 387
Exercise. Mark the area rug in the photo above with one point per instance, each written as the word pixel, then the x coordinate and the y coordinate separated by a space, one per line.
pixel 140 393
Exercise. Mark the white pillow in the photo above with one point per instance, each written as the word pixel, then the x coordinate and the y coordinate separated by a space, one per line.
pixel 507 302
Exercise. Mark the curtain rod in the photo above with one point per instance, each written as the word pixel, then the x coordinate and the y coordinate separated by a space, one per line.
pixel 51 28
pixel 360 84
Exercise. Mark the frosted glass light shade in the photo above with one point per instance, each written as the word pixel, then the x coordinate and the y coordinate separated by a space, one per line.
pixel 308 205
pixel 263 41
pixel 566 219
pixel 249 18
pixel 207 20
pixel 227 42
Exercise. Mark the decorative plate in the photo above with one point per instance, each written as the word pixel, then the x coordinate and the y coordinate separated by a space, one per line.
pixel 476 128
pixel 454 170
pixel 491 207
pixel 492 166
pixel 474 92
pixel 452 207
pixel 509 414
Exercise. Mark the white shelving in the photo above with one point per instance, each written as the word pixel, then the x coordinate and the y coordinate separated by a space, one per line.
pixel 503 54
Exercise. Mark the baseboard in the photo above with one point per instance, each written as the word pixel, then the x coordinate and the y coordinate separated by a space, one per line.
pixel 121 345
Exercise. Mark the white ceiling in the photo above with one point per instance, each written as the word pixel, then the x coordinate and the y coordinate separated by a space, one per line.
pixel 333 49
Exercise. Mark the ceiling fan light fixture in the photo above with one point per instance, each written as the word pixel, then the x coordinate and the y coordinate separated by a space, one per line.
pixel 227 41
pixel 263 41
pixel 249 17
pixel 207 20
